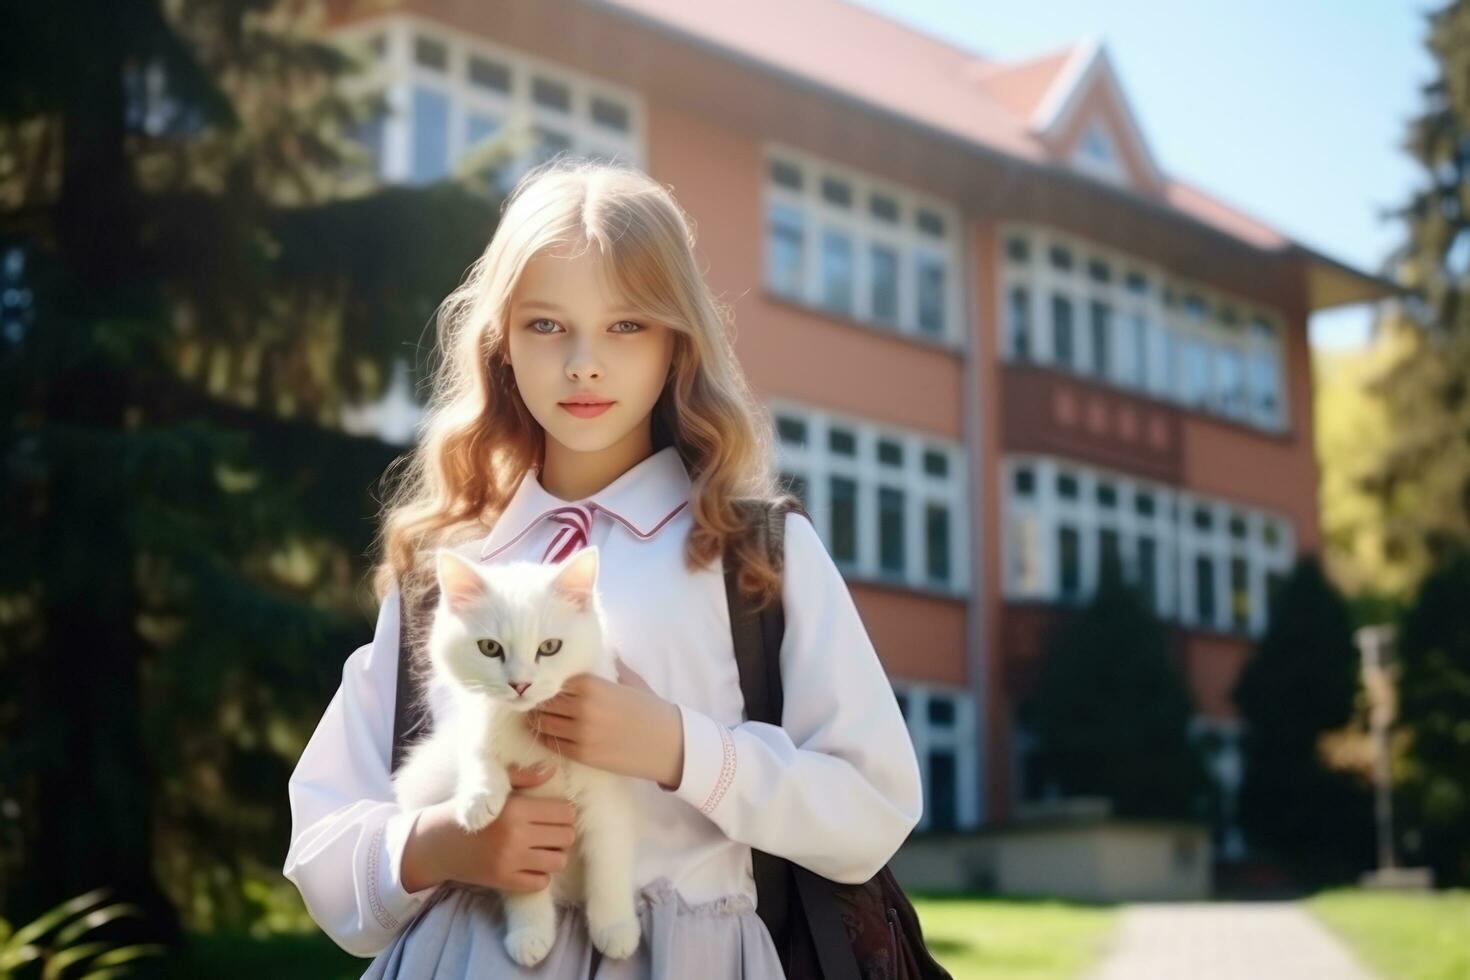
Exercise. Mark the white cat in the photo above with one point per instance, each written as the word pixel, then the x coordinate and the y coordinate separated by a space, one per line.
pixel 506 637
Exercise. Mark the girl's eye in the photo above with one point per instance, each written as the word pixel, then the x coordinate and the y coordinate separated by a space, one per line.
pixel 491 648
pixel 635 326
pixel 548 647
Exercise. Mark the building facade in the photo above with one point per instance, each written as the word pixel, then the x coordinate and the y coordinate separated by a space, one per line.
pixel 997 342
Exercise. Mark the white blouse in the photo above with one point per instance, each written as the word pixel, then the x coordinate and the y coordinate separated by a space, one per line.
pixel 835 788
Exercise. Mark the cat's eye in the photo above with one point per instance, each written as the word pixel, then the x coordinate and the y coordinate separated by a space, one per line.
pixel 492 648
pixel 548 647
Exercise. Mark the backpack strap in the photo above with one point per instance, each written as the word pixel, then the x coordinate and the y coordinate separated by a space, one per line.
pixel 758 636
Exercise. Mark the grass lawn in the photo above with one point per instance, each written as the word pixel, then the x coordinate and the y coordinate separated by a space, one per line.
pixel 1403 936
pixel 975 939
pixel 1017 939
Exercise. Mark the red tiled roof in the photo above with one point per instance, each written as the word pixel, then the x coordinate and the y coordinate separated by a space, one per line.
pixel 866 55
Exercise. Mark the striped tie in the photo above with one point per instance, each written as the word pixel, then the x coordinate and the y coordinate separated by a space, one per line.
pixel 576 525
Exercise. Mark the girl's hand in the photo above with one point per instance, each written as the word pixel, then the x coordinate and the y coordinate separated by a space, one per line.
pixel 620 727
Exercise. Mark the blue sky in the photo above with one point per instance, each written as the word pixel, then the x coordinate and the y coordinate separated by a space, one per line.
pixel 1291 110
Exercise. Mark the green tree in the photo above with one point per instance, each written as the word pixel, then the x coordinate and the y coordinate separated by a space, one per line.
pixel 1300 684
pixel 1422 475
pixel 1434 704
pixel 207 277
pixel 1111 710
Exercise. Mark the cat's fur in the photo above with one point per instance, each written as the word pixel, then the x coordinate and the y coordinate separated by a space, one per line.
pixel 526 607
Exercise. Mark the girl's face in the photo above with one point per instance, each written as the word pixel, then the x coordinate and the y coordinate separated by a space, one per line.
pixel 571 334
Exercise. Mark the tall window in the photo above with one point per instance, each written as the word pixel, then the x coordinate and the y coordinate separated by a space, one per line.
pixel 784 251
pixel 941 723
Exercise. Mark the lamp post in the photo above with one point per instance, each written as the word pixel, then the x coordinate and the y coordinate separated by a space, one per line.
pixel 1375 644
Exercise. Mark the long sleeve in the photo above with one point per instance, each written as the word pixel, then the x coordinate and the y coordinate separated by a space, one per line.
pixel 834 788
pixel 347 831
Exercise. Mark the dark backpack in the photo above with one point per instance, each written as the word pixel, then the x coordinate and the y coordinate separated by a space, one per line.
pixel 822 929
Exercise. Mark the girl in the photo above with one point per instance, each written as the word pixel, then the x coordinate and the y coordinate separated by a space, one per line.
pixel 588 393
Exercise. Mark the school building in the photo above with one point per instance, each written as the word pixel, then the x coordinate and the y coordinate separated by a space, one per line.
pixel 996 339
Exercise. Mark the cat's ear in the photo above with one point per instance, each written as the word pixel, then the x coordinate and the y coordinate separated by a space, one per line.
pixel 460 583
pixel 577 576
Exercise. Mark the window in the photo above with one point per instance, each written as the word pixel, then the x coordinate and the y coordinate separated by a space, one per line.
pixel 791 430
pixel 610 114
pixel 1201 560
pixel 1020 323
pixel 837 271
pixel 941 723
pixel 884 302
pixel 844 519
pixel 1148 571
pixel 429 53
pixel 836 192
pixel 551 94
pixel 489 75
pixel 943 789
pixel 884 255
pixel 1061 331
pixel 936 541
pixel 889 503
pixel 1102 339
pixel 784 274
pixel 890 530
pixel 1240 594
pixel 1090 309
pixel 430 135
pixel 1069 557
pixel 1204 590
pixel 931 293
pixel 463 89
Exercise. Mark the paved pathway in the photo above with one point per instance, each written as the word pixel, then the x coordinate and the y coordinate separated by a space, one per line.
pixel 1225 941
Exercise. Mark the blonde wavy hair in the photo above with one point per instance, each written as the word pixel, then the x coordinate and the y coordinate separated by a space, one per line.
pixel 478 438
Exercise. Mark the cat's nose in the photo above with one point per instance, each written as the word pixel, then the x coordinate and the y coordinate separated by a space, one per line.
pixel 520 689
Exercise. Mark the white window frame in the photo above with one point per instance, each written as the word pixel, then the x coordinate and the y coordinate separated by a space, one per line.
pixel 1171 527
pixel 962 740
pixel 815 464
pixel 397 74
pixel 1169 330
pixel 904 237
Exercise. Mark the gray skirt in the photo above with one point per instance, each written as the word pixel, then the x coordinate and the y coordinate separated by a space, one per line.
pixel 460 934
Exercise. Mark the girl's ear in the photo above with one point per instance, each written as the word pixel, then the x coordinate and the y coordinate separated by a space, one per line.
pixel 460 583
pixel 576 577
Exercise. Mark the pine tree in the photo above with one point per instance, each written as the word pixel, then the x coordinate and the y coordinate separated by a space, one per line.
pixel 199 280
pixel 1299 684
pixel 1422 477
pixel 1111 711
pixel 1434 701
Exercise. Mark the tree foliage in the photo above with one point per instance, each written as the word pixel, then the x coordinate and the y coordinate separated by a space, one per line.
pixel 201 275
pixel 1299 685
pixel 1111 711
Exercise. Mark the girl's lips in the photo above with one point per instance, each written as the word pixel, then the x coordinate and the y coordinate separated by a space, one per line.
pixel 585 411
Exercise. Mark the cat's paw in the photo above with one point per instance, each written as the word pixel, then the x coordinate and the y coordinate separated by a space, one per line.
pixel 617 939
pixel 477 810
pixel 528 945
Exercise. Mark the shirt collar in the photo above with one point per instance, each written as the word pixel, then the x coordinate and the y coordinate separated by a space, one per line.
pixel 643 500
